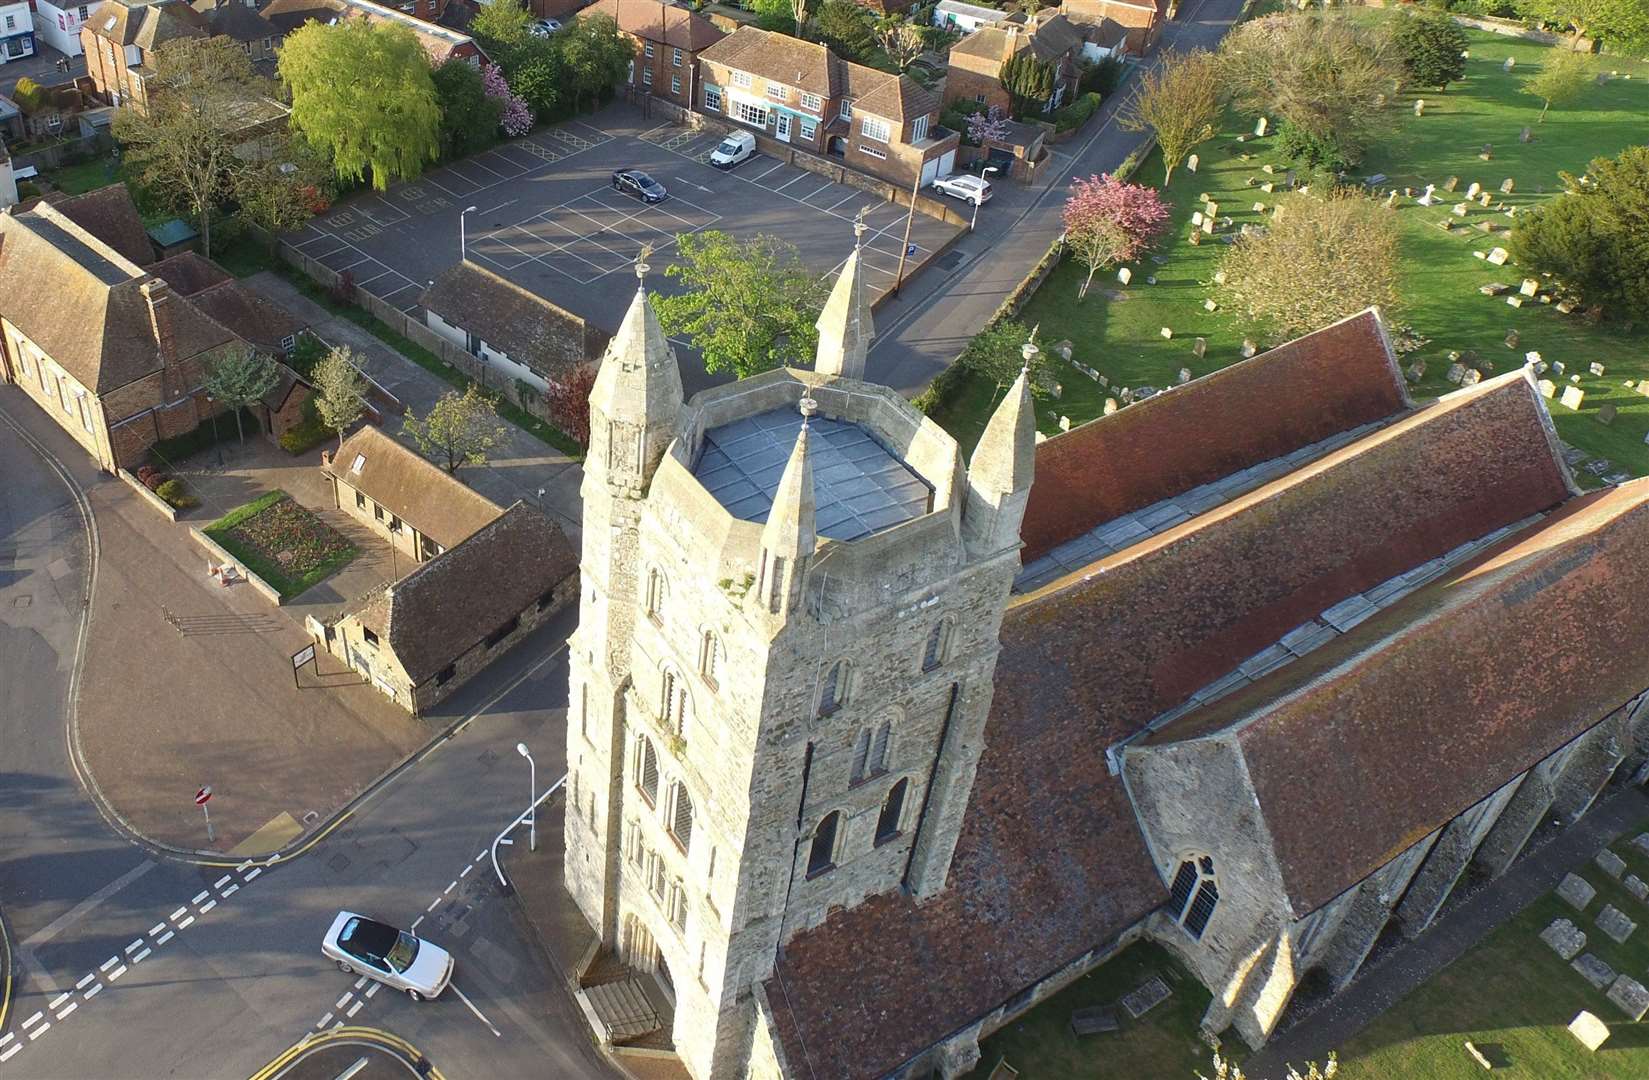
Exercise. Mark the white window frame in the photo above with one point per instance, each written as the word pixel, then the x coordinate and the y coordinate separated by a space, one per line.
pixel 812 101
pixel 778 92
pixel 918 129
pixel 874 127
pixel 675 59
pixel 746 111
pixel 647 76
pixel 647 49
pixel 846 111
pixel 713 98
pixel 741 79
pixel 810 127
pixel 675 84
pixel 873 151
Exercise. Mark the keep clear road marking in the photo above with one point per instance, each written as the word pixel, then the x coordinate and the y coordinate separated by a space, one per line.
pixel 478 1014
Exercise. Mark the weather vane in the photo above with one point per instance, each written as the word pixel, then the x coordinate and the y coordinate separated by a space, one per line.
pixel 641 261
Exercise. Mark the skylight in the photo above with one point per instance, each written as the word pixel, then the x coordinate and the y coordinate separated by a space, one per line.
pixel 360 459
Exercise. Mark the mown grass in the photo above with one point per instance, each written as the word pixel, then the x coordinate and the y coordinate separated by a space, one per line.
pixel 228 532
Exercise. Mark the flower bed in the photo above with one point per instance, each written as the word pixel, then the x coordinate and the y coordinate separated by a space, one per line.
pixel 283 543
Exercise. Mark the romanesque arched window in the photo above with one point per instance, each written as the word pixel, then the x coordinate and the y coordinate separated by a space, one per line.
pixel 870 750
pixel 834 688
pixel 674 704
pixel 821 856
pixel 647 770
pixel 888 823
pixel 938 646
pixel 710 657
pixel 1194 894
pixel 681 816
pixel 657 592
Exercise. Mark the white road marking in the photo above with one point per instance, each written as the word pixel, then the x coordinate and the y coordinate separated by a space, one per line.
pixel 231 891
pixel 254 872
pixel 156 928
pixel 338 1025
pixel 59 999
pixel 94 991
pixel 360 982
pixel 203 894
pixel 109 963
pixel 184 925
pixel 416 921
pixel 164 938
pixel 221 882
pixel 478 1014
pixel 117 972
pixel 81 985
pixel 373 989
pixel 325 1020
pixel 178 914
pixel 776 167
pixel 467 869
pixel 142 956
pixel 6 1038
pixel 73 1005
pixel 39 1031
pixel 355 1008
pixel 451 885
pixel 33 1020
pixel 241 869
pixel 4 1054
pixel 340 1002
pixel 79 911
pixel 481 855
pixel 208 906
pixel 432 904
pixel 138 944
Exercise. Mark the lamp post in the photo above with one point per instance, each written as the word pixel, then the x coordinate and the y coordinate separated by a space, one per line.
pixel 463 246
pixel 532 804
pixel 986 171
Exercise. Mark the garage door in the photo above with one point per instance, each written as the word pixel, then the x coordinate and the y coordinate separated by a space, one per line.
pixel 939 166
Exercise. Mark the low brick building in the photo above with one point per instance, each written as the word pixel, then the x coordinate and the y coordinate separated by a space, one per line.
pixel 976 62
pixel 1130 26
pixel 413 504
pixel 424 636
pixel 668 40
pixel 120 40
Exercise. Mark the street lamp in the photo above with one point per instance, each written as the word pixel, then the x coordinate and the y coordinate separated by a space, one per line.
pixel 986 171
pixel 462 246
pixel 532 804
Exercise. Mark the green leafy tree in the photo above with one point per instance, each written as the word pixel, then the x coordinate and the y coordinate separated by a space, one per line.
pixel 778 16
pixel 845 27
pixel 1431 46
pixel 202 96
pixel 238 379
pixel 469 118
pixel 1179 102
pixel 340 391
pixel 502 27
pixel 1623 24
pixel 1028 81
pixel 282 187
pixel 1561 80
pixel 900 39
pixel 460 429
pixel 1595 237
pixel 537 77
pixel 594 57
pixel 746 305
pixel 997 355
pixel 363 92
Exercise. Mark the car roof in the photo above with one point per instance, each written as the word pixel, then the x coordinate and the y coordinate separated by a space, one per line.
pixel 369 935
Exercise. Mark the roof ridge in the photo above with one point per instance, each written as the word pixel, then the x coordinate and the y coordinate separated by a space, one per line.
pixel 57 217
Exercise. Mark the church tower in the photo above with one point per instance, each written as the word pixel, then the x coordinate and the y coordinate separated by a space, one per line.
pixel 817 585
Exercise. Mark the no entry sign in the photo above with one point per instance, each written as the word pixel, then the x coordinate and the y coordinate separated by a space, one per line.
pixel 202 795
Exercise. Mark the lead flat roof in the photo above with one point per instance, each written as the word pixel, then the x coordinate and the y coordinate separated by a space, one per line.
pixel 859 486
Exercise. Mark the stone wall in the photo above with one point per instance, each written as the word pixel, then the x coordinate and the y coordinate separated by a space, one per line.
pixel 476 658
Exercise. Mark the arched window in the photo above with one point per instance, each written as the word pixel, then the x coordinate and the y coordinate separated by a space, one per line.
pixel 893 812
pixel 647 770
pixel 834 691
pixel 1194 895
pixel 656 593
pixel 674 704
pixel 870 751
pixel 710 657
pixel 938 645
pixel 822 855
pixel 681 816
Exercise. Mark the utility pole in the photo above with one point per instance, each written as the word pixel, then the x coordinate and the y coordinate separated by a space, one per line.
pixel 910 218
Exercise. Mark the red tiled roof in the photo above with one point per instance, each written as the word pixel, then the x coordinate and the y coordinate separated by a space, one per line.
pixel 653 20
pixel 1338 378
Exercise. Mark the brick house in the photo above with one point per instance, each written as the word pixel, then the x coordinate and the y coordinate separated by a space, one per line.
pixel 239 19
pixel 424 636
pixel 1130 26
pixel 105 348
pixel 668 40
pixel 398 494
pixel 976 62
pixel 441 42
pixel 120 39
pixel 800 93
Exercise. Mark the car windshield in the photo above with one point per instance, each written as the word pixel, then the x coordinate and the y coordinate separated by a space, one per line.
pixel 643 179
pixel 404 952
pixel 379 944
pixel 729 146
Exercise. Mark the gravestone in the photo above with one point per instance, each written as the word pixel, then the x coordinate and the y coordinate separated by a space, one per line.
pixel 1565 307
pixel 1529 287
pixel 1507 186
pixel 1487 153
pixel 1184 375
pixel 1063 348
pixel 1558 367
pixel 1248 350
pixel 1097 1020
pixel 1533 357
pixel 1613 921
pixel 1210 207
pixel 1451 183
pixel 1511 62
pixel 1192 162
pixel 1610 863
pixel 1219 277
pixel 1478 1055
pixel 1641 842
pixel 1259 208
pixel 1596 369
pixel 1540 368
pixel 1446 225
pixel 1457 372
pixel 1498 257
pixel 1195 238
pixel 1153 991
pixel 1261 125
pixel 1430 197
pixel 1208 226
pixel 1475 190
pixel 1391 200
pixel 1484 200
pixel 1575 891
pixel 1200 349
pixel 1150 279
pixel 1268 187
pixel 1514 301
pixel 1572 397
pixel 1460 209
pixel 1636 886
pixel 1593 970
pixel 1630 997
pixel 1486 226
pixel 1511 339
pixel 1471 378
pixel 1167 332
pixel 1110 405
pixel 1209 305
pixel 1565 938
pixel 1419 106
pixel 1493 288
pixel 1417 371
pixel 1125 275
pixel 1064 423
pixel 1591 1031
pixel 1525 136
pixel 1548 388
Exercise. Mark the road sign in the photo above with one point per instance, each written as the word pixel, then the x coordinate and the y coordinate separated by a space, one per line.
pixel 303 656
pixel 202 795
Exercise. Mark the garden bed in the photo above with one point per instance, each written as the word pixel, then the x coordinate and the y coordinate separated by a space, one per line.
pixel 281 542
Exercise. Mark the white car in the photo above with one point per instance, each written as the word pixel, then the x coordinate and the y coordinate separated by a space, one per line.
pixel 544 27
pixel 737 147
pixel 393 957
pixel 970 189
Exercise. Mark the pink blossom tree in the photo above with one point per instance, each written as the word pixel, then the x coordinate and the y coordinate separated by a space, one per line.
pixel 988 126
pixel 1108 221
pixel 516 119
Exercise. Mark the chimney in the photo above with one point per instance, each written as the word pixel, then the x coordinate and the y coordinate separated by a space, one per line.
pixel 158 295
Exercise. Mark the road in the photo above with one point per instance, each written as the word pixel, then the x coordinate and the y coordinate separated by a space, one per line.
pixel 132 965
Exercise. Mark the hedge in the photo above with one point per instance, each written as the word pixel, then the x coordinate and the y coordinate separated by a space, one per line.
pixel 1077 112
pixel 167 451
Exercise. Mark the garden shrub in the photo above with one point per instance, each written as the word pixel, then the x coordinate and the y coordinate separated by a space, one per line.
pixel 150 477
pixel 178 447
pixel 304 437
pixel 1102 78
pixel 306 355
pixel 1315 152
pixel 1077 113
pixel 177 496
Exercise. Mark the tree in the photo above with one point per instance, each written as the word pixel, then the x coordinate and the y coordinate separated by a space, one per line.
pixel 1320 260
pixel 1432 47
pixel 568 401
pixel 1179 101
pixel 594 56
pixel 900 39
pixel 202 95
pixel 1595 237
pixel 845 27
pixel 469 117
pixel 1321 71
pixel 1624 24
pixel 746 305
pixel 460 429
pixel 501 27
pixel 992 125
pixel 1560 80
pixel 1108 221
pixel 776 16
pixel 800 12
pixel 537 77
pixel 282 187
pixel 1028 81
pixel 363 92
pixel 1225 1070
pixel 996 355
pixel 340 391
pixel 238 379
pixel 514 115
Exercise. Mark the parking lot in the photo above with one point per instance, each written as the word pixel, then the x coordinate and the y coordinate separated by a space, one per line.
pixel 546 216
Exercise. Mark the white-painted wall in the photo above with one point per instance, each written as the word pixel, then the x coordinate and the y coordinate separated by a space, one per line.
pixel 8 184
pixel 964 17
pixel 59 26
pixel 21 22
pixel 498 361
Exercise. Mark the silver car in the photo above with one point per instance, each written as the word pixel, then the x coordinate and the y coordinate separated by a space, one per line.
pixel 970 189
pixel 393 957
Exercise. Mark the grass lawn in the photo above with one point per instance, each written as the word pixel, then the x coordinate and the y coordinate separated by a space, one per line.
pixel 283 543
pixel 86 176
pixel 1513 997
pixel 1117 329
pixel 1161 1045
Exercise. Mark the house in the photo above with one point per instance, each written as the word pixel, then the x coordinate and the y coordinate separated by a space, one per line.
pixel 55 108
pixel 58 24
pixel 8 180
pixel 117 358
pixel 420 638
pixel 109 214
pixel 513 330
pixel 442 43
pixel 16 31
pixel 799 93
pixel 239 19
pixel 977 61
pixel 415 505
pixel 668 40
pixel 1130 26
pixel 963 18
pixel 120 41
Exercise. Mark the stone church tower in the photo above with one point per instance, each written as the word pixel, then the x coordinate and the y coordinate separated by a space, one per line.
pixel 792 589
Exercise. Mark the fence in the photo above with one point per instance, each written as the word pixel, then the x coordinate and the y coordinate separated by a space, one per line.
pixel 67 152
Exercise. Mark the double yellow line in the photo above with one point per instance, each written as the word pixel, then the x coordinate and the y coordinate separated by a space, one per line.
pixel 370 1036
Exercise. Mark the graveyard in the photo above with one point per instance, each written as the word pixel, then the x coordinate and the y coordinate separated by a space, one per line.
pixel 1166 323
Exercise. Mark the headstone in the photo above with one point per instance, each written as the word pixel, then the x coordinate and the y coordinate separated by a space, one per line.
pixel 1196 219
pixel 1259 208
pixel 1447 225
pixel 1484 200
pixel 1460 209
pixel 1514 301
pixel 1641 842
pixel 1192 162
pixel 1572 397
pixel 1430 197
pixel 1417 371
pixel 1110 405
pixel 1208 226
pixel 1204 197
pixel 1219 277
pixel 1248 350
pixel 1195 238
pixel 1526 135
pixel 1451 183
pixel 1261 125
pixel 1268 187
pixel 1493 288
pixel 1064 423
pixel 1596 369
pixel 1548 388
pixel 1391 201
pixel 1591 1031
pixel 1533 357
pixel 1478 1056
pixel 1529 287
pixel 1511 339
pixel 1456 373
pixel 1474 191
pixel 1200 349
pixel 1184 374
pixel 1487 153
pixel 1498 257
pixel 1610 863
pixel 1419 106
pixel 1507 186
pixel 1125 275
pixel 1486 226
pixel 1063 348
pixel 1593 970
pixel 1630 997
pixel 1558 367
pixel 1575 891
pixel 1565 307
pixel 1471 378
pixel 1613 921
pixel 1540 368
pixel 1637 887
pixel 1167 332
pixel 1150 279
pixel 1210 305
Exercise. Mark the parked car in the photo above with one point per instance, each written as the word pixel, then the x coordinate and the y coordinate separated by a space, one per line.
pixel 637 183
pixel 393 957
pixel 737 147
pixel 544 27
pixel 968 188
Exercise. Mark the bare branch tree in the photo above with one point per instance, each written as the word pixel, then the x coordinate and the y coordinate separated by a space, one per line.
pixel 1179 102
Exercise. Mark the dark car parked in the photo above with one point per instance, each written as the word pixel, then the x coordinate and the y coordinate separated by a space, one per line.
pixel 639 184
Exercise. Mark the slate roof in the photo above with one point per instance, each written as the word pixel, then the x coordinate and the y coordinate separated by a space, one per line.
pixel 412 488
pixel 1052 37
pixel 529 329
pixel 895 97
pixel 189 273
pixel 439 41
pixel 258 321
pixel 656 21
pixel 109 214
pixel 452 602
pixel 146 25
pixel 1337 378
pixel 235 19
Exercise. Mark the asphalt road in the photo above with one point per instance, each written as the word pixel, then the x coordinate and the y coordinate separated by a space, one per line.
pixel 133 966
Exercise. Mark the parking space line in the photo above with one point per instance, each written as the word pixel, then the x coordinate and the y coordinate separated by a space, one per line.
pixel 222 881
pixel 476 162
pixel 325 1020
pixel 39 1031
pixel 360 982
pixel 72 1007
pixel 355 1008
pixel 184 925
pixel 831 209
pixel 208 906
pixel 440 185
pixel 203 894
pixel 787 183
pixel 254 872
pixel 60 999
pixel 178 914
pixel 340 1002
pixel 233 889
pixel 373 989
pixel 33 1020
pixel 90 977
pixel 116 973
pixel 777 165
pixel 156 928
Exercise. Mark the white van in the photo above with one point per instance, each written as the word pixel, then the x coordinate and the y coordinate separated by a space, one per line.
pixel 737 147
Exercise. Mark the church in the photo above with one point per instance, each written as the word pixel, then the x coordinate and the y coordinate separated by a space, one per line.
pixel 871 747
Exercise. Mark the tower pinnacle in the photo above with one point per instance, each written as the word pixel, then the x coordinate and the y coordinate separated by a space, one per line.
pixel 845 325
